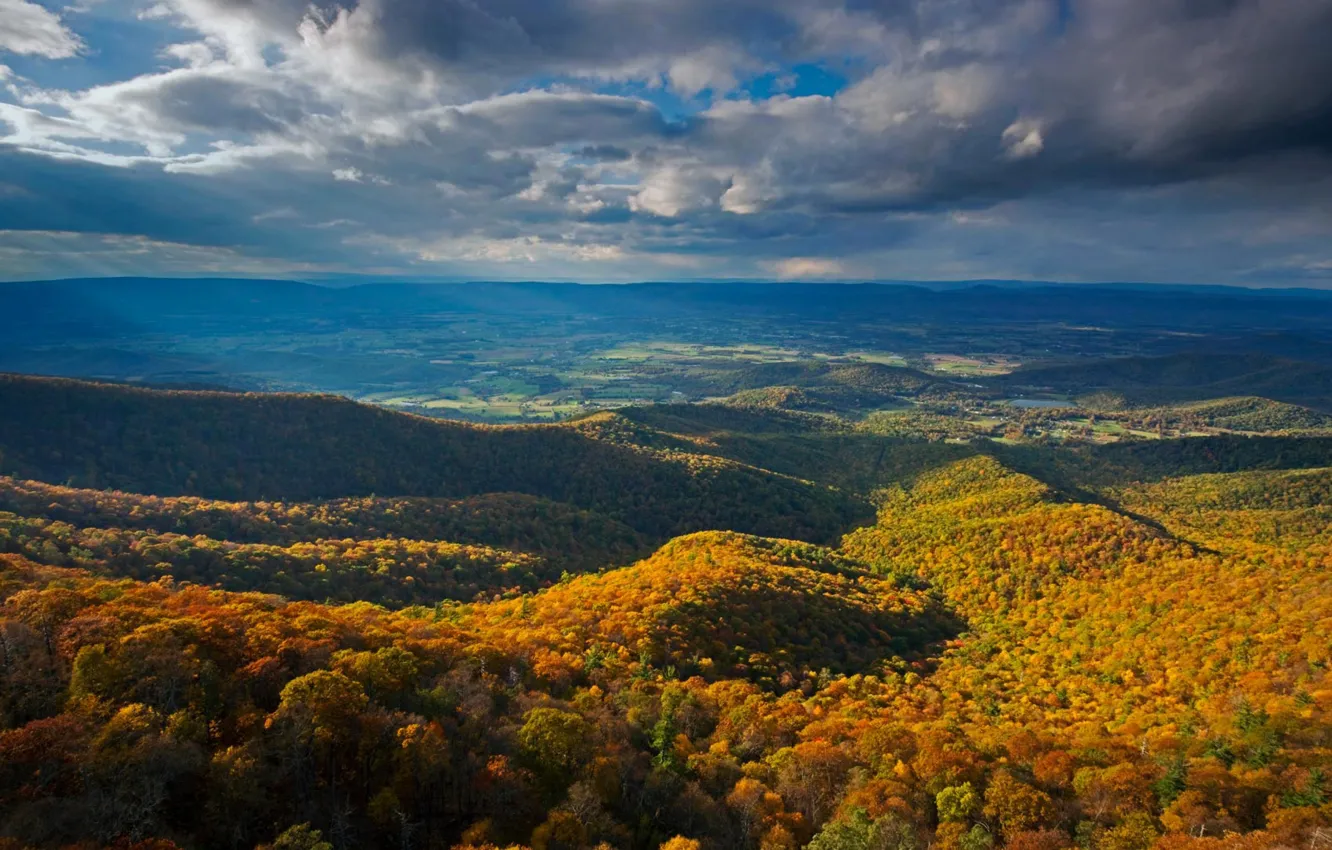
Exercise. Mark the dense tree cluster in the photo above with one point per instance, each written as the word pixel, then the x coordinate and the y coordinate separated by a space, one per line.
pixel 393 571
pixel 854 457
pixel 1267 516
pixel 566 537
pixel 722 605
pixel 1108 417
pixel 923 424
pixel 1026 647
pixel 290 447
pixel 991 539
pixel 1247 414
pixel 1183 377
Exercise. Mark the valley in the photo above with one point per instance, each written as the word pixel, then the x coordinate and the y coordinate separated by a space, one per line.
pixel 753 622
pixel 508 353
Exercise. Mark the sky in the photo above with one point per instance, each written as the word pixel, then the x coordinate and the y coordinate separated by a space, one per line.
pixel 613 140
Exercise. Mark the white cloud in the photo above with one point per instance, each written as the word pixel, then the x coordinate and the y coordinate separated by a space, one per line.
pixel 713 67
pixel 30 29
pixel 977 219
pixel 1023 139
pixel 194 54
pixel 521 249
pixel 750 191
pixel 962 93
pixel 676 189
pixel 808 268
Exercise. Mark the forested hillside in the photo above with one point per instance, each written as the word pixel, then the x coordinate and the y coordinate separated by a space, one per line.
pixel 304 624
pixel 1188 377
pixel 288 447
pixel 564 537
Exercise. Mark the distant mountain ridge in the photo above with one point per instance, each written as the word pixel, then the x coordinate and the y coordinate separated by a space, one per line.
pixel 121 304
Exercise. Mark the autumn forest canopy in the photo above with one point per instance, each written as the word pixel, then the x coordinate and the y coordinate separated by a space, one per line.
pixel 649 569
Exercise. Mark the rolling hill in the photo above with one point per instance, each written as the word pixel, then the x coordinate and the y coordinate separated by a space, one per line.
pixel 563 536
pixel 1185 377
pixel 724 605
pixel 300 615
pixel 303 447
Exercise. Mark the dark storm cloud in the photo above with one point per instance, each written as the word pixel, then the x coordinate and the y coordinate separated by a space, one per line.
pixel 39 193
pixel 1197 80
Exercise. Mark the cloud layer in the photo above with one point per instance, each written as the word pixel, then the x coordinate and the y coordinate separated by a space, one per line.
pixel 29 29
pixel 634 139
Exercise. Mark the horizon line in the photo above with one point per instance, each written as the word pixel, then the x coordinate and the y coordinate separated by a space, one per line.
pixel 353 280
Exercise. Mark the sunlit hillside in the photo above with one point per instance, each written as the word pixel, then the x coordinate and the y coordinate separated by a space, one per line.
pixel 478 637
